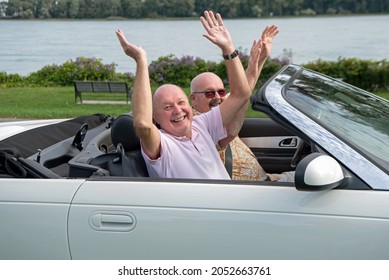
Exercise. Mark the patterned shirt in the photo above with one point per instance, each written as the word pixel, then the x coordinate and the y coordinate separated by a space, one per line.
pixel 244 163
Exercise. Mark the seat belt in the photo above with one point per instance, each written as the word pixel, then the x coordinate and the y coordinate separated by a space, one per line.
pixel 228 160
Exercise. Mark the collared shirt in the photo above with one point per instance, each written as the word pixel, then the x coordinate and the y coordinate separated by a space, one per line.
pixel 195 157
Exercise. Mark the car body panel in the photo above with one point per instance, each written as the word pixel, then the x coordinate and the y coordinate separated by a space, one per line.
pixel 182 220
pixel 33 215
pixel 11 128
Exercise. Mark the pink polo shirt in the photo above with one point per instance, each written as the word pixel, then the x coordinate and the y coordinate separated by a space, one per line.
pixel 182 157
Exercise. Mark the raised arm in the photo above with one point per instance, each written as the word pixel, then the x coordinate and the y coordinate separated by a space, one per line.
pixel 141 99
pixel 240 92
pixel 260 51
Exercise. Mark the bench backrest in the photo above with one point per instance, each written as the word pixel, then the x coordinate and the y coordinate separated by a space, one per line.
pixel 98 86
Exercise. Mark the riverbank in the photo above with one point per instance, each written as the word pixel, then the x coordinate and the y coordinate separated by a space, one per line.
pixel 58 102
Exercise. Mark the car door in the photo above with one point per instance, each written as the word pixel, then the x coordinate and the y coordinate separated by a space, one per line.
pixel 195 219
pixel 33 218
pixel 271 143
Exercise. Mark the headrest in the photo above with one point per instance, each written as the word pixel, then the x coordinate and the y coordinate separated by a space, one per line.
pixel 123 131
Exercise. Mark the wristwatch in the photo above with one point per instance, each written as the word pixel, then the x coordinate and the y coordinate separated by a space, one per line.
pixel 231 55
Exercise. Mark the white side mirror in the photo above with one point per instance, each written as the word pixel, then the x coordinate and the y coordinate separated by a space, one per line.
pixel 317 172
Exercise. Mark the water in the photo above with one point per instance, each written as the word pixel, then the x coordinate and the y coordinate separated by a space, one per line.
pixel 27 46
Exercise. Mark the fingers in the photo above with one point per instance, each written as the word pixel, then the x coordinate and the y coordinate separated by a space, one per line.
pixel 122 39
pixel 219 19
pixel 270 32
pixel 212 20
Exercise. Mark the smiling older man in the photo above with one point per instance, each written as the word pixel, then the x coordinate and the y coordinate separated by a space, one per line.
pixel 184 147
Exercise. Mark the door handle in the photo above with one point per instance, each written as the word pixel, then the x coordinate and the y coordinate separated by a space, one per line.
pixel 112 221
pixel 116 219
pixel 289 142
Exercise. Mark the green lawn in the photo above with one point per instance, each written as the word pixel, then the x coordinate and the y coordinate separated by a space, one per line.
pixel 51 103
pixel 58 102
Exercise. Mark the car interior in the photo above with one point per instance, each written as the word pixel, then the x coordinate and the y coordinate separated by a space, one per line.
pixel 109 147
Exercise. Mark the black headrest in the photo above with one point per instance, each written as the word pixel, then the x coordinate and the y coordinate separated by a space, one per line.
pixel 123 131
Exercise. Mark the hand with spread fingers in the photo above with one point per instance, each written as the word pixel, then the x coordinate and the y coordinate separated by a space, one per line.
pixel 267 37
pixel 259 52
pixel 217 33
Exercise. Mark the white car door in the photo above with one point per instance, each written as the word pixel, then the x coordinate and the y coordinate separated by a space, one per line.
pixel 33 218
pixel 196 220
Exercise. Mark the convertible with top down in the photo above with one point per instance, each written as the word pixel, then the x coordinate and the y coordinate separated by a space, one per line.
pixel 79 188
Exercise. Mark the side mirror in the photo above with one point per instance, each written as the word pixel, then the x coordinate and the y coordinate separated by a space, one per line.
pixel 317 172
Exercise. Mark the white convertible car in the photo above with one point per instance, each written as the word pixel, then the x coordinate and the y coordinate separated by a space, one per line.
pixel 79 189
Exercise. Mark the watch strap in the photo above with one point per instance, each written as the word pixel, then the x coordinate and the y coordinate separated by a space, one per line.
pixel 231 55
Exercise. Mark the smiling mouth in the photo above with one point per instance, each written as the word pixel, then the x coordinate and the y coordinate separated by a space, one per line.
pixel 215 102
pixel 177 120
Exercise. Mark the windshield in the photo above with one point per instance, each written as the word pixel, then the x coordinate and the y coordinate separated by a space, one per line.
pixel 359 118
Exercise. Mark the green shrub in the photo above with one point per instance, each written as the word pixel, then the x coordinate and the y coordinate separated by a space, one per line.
pixel 179 71
pixel 80 69
pixel 10 80
pixel 366 74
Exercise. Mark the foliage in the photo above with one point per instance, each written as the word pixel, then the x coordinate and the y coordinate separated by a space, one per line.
pixel 179 71
pixel 27 9
pixel 10 80
pixel 366 74
pixel 271 66
pixel 80 69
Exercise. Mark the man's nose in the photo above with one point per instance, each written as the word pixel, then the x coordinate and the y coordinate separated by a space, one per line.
pixel 176 108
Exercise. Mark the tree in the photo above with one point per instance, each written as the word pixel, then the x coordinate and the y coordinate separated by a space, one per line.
pixel 131 8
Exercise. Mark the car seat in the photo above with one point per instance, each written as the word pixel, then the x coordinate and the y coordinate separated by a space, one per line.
pixel 128 160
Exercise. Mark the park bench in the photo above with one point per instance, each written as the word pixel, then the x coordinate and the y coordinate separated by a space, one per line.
pixel 100 87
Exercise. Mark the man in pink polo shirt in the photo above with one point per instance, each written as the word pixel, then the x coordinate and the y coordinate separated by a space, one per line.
pixel 184 147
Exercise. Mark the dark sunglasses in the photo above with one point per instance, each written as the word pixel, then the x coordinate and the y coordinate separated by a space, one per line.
pixel 211 93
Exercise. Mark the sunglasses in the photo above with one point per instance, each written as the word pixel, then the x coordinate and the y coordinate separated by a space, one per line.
pixel 211 93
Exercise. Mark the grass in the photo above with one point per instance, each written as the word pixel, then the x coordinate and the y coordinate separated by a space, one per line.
pixel 52 103
pixel 58 102
pixel 383 94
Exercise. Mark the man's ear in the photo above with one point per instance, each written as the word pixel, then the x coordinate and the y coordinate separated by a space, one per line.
pixel 155 118
pixel 192 97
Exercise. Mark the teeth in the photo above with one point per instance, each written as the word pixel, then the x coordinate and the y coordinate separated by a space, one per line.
pixel 215 103
pixel 179 119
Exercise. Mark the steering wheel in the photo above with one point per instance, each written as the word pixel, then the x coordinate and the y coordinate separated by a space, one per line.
pixel 303 149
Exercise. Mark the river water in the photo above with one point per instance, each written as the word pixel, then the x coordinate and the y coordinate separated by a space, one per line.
pixel 27 46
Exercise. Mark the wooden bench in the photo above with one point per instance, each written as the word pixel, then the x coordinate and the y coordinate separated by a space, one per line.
pixel 102 87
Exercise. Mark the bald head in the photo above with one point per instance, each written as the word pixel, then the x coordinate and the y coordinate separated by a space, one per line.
pixel 204 79
pixel 164 92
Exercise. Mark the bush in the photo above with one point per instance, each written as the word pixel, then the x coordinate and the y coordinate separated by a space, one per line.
pixel 10 80
pixel 366 74
pixel 80 69
pixel 179 71
pixel 272 65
